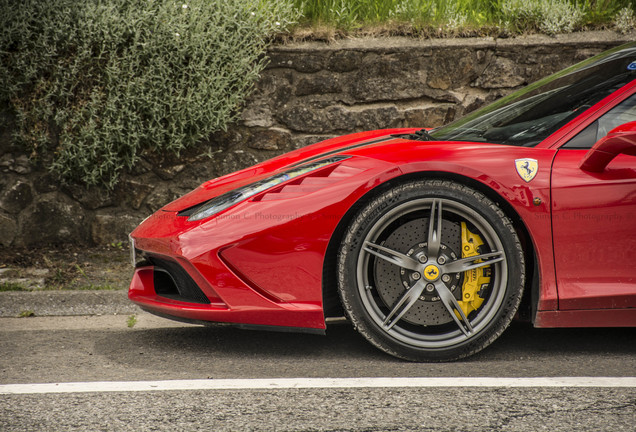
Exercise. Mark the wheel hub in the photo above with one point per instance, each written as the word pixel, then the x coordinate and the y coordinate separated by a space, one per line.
pixel 431 272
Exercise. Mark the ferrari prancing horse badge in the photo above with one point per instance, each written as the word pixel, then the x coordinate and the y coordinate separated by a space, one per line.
pixel 527 168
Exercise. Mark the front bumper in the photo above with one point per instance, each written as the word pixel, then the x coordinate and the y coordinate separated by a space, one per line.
pixel 203 286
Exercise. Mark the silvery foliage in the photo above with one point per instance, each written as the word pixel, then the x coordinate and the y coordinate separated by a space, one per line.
pixel 625 20
pixel 548 16
pixel 93 85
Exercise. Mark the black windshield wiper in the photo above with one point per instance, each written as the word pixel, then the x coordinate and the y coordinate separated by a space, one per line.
pixel 420 135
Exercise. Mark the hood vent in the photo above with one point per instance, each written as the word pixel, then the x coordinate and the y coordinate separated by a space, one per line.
pixel 310 183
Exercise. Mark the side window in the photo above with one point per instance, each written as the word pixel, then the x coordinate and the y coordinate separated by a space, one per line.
pixel 622 113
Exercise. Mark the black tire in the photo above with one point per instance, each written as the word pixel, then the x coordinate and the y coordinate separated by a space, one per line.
pixel 402 277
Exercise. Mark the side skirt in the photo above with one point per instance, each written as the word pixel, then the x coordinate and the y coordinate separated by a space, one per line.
pixel 586 318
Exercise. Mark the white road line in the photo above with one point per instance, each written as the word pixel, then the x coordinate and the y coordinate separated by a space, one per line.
pixel 313 383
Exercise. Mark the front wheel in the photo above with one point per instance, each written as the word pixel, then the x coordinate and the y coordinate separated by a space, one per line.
pixel 431 271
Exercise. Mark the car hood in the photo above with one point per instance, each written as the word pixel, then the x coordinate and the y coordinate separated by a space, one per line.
pixel 218 186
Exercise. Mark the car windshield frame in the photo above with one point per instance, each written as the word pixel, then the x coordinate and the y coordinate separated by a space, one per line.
pixel 530 115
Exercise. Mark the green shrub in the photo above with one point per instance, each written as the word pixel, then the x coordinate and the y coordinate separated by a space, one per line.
pixel 625 20
pixel 548 16
pixel 93 84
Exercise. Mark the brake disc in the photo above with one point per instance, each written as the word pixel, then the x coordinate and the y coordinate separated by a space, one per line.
pixel 392 281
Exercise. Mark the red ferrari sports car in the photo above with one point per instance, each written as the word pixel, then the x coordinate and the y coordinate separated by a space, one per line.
pixel 430 241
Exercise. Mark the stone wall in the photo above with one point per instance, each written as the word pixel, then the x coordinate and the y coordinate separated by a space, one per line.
pixel 309 92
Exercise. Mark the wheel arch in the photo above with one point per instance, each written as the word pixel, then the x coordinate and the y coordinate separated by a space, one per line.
pixel 331 300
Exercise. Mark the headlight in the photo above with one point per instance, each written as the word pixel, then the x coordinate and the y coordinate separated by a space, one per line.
pixel 228 199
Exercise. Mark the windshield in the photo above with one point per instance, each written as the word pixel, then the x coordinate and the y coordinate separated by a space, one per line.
pixel 530 115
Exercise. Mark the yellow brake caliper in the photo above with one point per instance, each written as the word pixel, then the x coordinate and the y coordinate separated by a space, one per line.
pixel 474 279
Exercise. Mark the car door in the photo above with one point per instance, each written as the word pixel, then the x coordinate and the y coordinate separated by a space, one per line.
pixel 594 221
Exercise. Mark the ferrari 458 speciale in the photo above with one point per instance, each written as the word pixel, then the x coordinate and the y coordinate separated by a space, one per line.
pixel 429 241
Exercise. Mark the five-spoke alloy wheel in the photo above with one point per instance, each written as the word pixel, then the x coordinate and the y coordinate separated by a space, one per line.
pixel 431 271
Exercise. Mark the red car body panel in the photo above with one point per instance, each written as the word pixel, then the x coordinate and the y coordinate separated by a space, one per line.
pixel 594 220
pixel 261 261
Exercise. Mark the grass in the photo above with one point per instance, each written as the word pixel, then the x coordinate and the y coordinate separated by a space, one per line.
pixel 131 321
pixel 12 286
pixel 69 267
pixel 95 287
pixel 462 17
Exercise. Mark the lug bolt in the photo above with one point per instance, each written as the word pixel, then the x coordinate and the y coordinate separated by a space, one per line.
pixel 446 278
pixel 415 276
pixel 430 288
pixel 422 259
pixel 441 260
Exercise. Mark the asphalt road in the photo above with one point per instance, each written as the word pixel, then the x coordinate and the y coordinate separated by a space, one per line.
pixel 103 348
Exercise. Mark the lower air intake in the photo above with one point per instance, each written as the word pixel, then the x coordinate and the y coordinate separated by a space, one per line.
pixel 172 281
